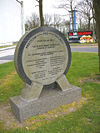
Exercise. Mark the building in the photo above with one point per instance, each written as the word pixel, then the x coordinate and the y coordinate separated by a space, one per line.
pixel 11 22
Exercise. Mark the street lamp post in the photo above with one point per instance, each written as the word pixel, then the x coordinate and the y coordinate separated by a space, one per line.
pixel 22 17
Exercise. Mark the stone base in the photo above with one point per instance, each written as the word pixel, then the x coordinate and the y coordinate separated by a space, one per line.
pixel 49 99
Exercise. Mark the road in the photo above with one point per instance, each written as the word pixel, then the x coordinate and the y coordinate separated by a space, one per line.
pixel 7 54
pixel 84 49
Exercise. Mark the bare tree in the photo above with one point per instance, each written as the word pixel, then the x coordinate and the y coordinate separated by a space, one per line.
pixel 32 22
pixel 69 5
pixel 85 10
pixel 96 5
pixel 56 20
pixel 52 20
pixel 41 12
pixel 67 25
pixel 48 20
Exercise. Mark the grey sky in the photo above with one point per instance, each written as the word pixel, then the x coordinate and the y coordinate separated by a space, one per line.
pixel 49 7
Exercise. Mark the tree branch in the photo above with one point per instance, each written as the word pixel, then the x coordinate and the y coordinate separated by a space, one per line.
pixel 37 1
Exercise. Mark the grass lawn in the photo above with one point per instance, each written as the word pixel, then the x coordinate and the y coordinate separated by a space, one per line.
pixel 86 119
pixel 8 46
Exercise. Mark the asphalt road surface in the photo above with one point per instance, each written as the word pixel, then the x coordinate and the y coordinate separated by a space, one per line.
pixel 7 54
pixel 84 49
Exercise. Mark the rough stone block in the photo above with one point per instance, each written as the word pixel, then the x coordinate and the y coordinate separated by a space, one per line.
pixel 49 99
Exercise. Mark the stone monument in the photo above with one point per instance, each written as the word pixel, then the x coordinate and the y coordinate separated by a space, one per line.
pixel 42 59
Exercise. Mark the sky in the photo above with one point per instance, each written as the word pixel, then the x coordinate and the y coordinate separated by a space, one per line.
pixel 49 7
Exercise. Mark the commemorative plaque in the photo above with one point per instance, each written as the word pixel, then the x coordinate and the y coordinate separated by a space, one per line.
pixel 42 58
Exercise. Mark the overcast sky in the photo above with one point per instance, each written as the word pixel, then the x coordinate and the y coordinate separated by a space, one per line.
pixel 49 7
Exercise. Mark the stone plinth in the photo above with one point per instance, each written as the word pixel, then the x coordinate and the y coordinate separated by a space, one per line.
pixel 49 99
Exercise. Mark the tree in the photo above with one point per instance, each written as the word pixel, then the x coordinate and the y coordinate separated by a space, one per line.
pixel 85 10
pixel 56 20
pixel 47 20
pixel 96 5
pixel 41 12
pixel 67 24
pixel 69 5
pixel 32 22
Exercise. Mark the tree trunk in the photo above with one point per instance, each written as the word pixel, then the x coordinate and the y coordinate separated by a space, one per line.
pixel 41 13
pixel 80 24
pixel 89 23
pixel 96 4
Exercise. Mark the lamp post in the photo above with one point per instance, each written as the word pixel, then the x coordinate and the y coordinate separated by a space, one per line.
pixel 22 17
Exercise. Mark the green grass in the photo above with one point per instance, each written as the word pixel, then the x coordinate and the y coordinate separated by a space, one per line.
pixel 6 69
pixel 10 83
pixel 84 120
pixel 8 46
pixel 83 65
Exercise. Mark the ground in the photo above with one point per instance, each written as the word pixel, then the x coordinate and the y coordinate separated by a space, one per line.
pixel 70 118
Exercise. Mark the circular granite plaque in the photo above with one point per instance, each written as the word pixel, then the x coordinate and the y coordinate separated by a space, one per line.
pixel 42 56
